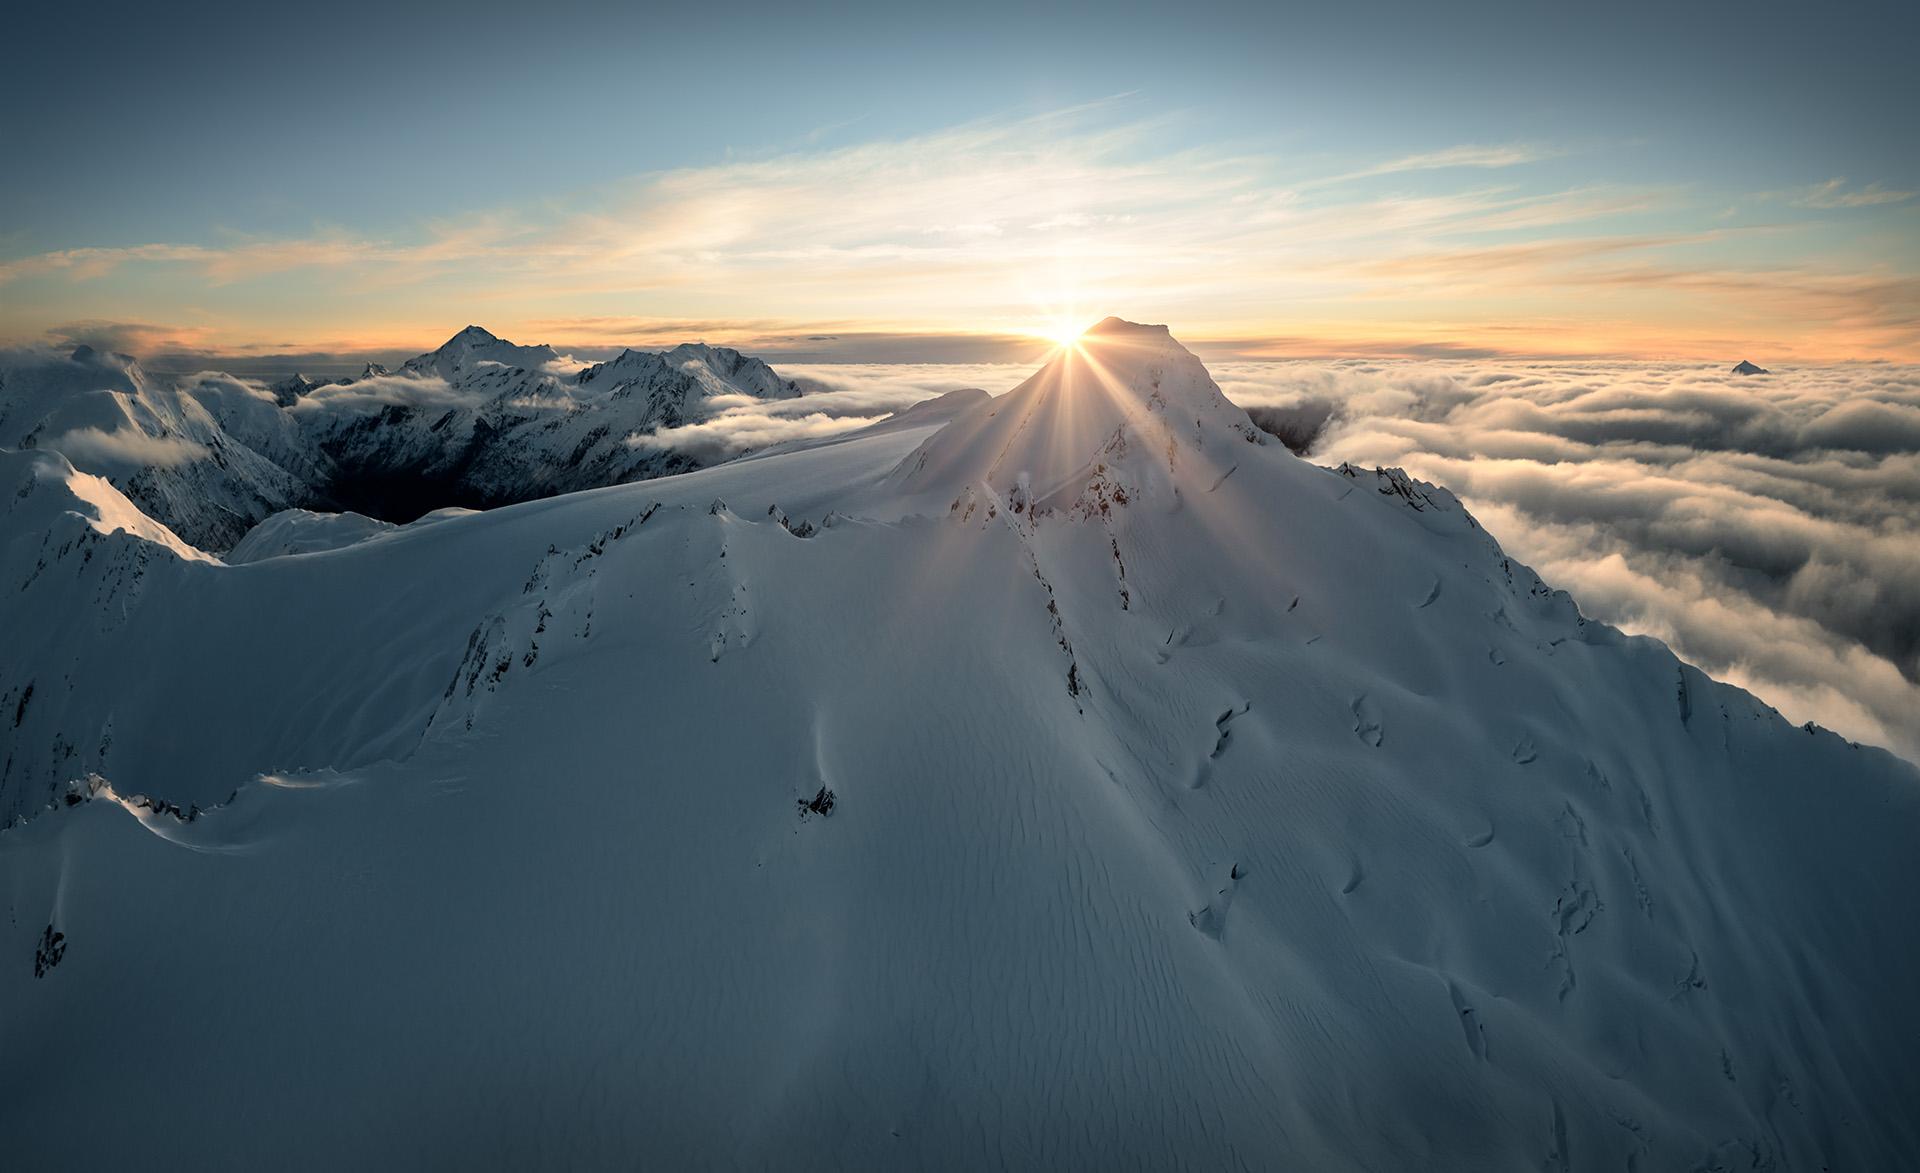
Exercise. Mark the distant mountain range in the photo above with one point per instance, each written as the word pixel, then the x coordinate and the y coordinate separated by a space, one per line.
pixel 477 423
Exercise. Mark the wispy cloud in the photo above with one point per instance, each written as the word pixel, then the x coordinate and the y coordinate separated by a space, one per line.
pixel 126 448
pixel 1834 194
pixel 1482 158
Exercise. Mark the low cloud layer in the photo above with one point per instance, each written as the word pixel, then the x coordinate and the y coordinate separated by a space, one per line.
pixel 378 391
pixel 126 448
pixel 1768 528
pixel 839 398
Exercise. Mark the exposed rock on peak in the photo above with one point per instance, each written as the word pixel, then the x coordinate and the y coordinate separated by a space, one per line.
pixel 289 390
pixel 1747 368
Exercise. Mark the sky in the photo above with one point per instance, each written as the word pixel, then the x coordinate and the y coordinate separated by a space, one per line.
pixel 897 183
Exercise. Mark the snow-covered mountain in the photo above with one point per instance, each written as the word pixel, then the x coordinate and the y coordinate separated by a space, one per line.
pixel 483 422
pixel 478 422
pixel 1073 778
pixel 166 448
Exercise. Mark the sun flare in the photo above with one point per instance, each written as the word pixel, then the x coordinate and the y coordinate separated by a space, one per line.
pixel 1063 333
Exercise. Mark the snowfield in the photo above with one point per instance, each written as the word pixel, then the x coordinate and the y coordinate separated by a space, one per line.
pixel 1073 778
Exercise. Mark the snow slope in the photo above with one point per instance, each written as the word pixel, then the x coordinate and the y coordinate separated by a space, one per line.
pixel 1082 782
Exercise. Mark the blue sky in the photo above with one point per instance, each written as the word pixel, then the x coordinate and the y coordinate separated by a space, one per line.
pixel 1625 179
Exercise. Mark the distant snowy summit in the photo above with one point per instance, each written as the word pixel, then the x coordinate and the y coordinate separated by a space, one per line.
pixel 1747 368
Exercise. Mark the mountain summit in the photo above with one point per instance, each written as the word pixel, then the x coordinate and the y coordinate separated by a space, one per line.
pixel 1747 368
pixel 474 349
pixel 1114 411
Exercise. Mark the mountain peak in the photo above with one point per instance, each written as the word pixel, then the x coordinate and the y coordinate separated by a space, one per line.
pixel 459 356
pixel 1747 368
pixel 1111 327
pixel 722 370
pixel 1122 396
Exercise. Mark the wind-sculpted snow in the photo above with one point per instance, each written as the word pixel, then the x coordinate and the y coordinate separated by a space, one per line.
pixel 1092 786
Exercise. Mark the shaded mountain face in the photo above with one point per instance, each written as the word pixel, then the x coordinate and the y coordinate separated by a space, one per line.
pixel 1747 368
pixel 479 422
pixel 1069 779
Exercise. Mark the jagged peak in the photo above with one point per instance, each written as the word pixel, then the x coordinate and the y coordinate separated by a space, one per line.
pixel 635 358
pixel 723 370
pixel 289 390
pixel 455 357
pixel 686 350
pixel 628 364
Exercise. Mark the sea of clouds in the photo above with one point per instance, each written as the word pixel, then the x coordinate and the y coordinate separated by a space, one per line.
pixel 1766 527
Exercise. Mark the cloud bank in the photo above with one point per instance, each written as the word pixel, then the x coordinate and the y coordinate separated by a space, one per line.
pixel 1768 528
